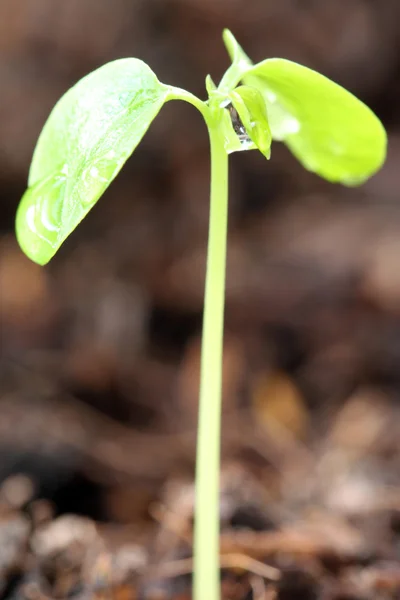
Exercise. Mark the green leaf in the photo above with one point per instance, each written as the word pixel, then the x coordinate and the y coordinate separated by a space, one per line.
pixel 240 63
pixel 210 85
pixel 89 135
pixel 252 111
pixel 232 142
pixel 329 130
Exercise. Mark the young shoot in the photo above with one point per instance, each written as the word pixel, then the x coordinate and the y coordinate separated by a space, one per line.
pixel 95 127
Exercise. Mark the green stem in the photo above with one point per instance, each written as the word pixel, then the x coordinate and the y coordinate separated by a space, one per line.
pixel 174 93
pixel 206 531
pixel 206 577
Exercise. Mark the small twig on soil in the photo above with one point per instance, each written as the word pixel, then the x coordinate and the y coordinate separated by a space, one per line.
pixel 290 541
pixel 227 561
pixel 259 589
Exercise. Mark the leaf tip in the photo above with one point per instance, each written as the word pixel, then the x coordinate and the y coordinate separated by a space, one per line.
pixel 32 243
pixel 210 85
pixel 227 35
pixel 230 43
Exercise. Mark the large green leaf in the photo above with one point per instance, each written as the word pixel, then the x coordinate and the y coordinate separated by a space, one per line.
pixel 87 138
pixel 329 130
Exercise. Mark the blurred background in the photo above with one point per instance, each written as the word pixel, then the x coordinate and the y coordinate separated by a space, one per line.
pixel 99 351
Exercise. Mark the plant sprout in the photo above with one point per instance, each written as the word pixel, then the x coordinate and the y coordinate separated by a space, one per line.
pixel 95 127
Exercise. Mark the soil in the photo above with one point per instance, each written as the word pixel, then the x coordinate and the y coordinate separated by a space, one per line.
pixel 99 351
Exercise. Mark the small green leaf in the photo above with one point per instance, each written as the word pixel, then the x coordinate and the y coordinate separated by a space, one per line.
pixel 89 135
pixel 329 130
pixel 252 111
pixel 210 85
pixel 232 138
pixel 237 55
pixel 240 63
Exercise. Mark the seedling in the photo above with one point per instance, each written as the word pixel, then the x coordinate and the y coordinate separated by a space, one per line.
pixel 96 126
